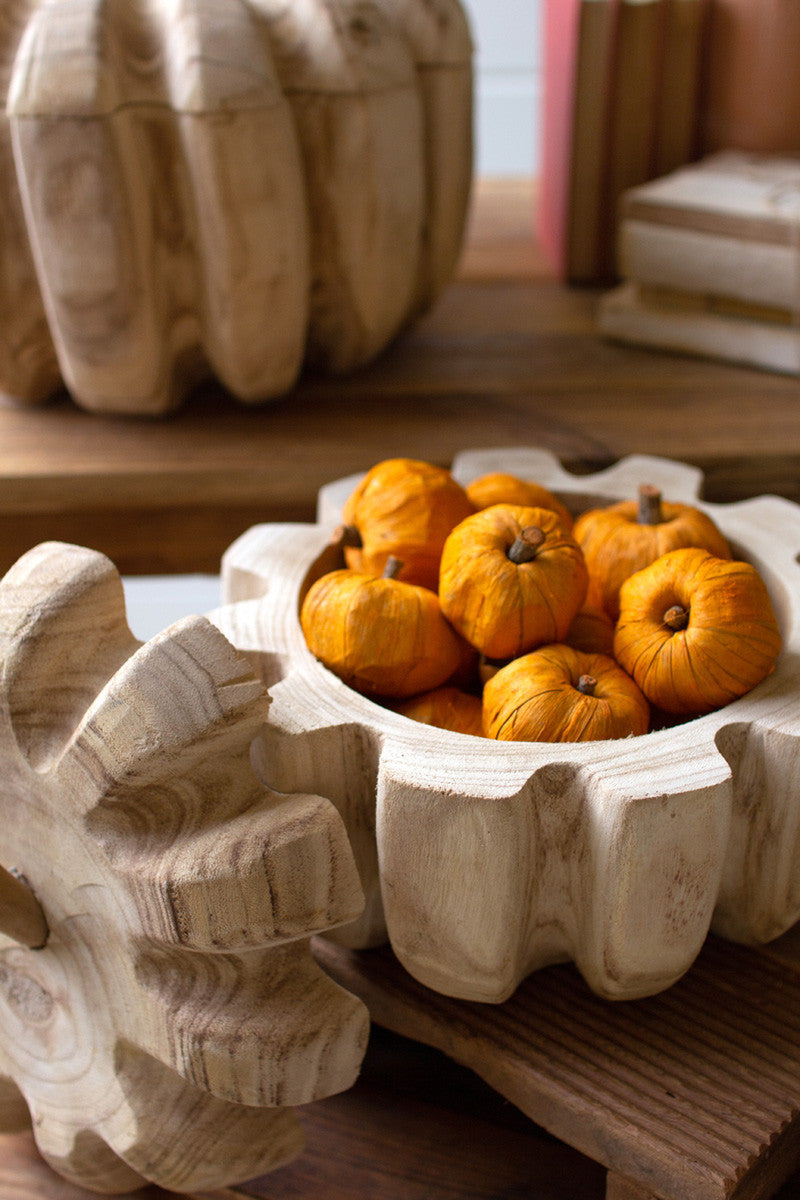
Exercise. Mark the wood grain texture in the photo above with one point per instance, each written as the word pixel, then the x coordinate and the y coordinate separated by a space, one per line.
pixel 690 1095
pixel 439 38
pixel 28 366
pixel 349 78
pixel 620 1188
pixel 534 838
pixel 414 1126
pixel 174 1014
pixel 154 143
pixel 226 188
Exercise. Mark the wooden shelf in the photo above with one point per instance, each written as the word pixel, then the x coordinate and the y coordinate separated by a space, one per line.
pixel 507 357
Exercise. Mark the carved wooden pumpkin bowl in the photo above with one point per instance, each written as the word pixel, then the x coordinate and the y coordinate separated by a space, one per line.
pixel 227 187
pixel 483 861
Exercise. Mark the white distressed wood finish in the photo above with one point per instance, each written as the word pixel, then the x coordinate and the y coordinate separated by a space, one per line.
pixel 226 186
pixel 483 862
pixel 174 1014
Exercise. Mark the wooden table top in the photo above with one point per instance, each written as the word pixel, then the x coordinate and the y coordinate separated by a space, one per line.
pixel 508 357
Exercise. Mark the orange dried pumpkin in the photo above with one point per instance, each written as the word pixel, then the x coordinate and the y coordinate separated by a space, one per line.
pixel 625 537
pixel 592 631
pixel 696 631
pixel 379 635
pixel 487 667
pixel 511 578
pixel 557 694
pixel 466 676
pixel 402 508
pixel 498 487
pixel 446 708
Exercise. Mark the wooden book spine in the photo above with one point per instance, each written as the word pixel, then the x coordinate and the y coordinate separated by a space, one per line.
pixel 676 130
pixel 637 68
pixel 751 86
pixel 590 141
pixel 579 54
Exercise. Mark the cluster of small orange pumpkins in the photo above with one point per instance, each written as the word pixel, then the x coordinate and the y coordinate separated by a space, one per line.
pixel 489 610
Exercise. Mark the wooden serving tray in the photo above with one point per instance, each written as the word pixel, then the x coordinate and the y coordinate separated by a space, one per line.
pixel 693 1094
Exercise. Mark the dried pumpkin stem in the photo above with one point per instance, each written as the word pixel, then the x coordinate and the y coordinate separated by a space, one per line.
pixel 649 510
pixel 393 567
pixel 527 545
pixel 677 617
pixel 348 535
pixel 586 684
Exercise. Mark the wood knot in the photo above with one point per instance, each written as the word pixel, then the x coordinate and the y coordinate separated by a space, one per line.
pixel 25 996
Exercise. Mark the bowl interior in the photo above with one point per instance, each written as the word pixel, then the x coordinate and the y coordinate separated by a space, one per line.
pixel 577 502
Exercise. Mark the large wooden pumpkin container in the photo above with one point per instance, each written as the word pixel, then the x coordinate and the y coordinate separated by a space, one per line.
pixel 483 861
pixel 226 186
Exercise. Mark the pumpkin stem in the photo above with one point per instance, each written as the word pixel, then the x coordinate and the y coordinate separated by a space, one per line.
pixel 649 511
pixel 586 684
pixel 676 617
pixel 527 544
pixel 393 567
pixel 348 535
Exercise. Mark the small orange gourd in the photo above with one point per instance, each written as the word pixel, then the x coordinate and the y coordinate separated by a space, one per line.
pixel 466 676
pixel 446 708
pixel 696 631
pixel 487 667
pixel 403 508
pixel 625 537
pixel 499 487
pixel 381 636
pixel 511 578
pixel 592 631
pixel 557 694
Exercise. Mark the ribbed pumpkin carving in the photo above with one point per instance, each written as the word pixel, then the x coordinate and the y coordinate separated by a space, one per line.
pixel 233 187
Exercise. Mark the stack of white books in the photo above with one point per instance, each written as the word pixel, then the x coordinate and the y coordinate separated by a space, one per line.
pixel 710 257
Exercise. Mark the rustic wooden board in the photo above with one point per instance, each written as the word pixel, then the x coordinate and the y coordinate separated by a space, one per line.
pixel 415 1126
pixel 690 1095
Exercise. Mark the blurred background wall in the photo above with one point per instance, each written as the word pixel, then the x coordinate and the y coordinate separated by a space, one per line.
pixel 507 84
